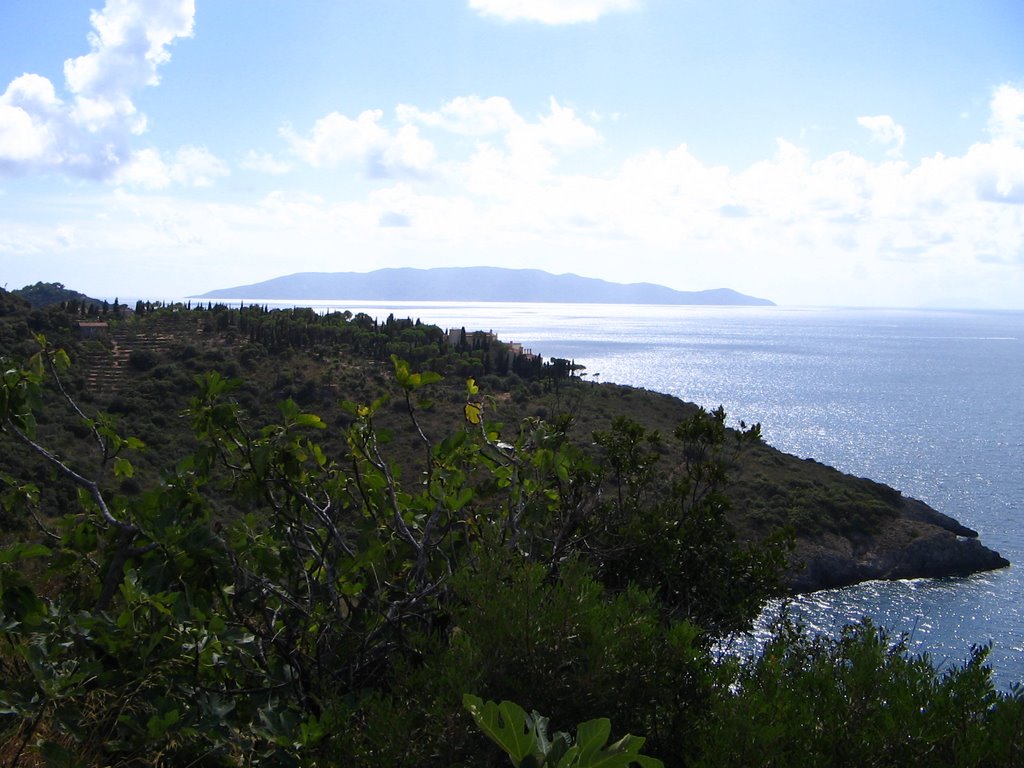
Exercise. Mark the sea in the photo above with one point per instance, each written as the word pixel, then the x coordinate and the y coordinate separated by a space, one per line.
pixel 930 402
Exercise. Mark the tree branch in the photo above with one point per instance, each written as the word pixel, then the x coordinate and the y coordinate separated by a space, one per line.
pixel 83 482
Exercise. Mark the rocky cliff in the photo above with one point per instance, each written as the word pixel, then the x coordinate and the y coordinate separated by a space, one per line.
pixel 850 529
pixel 919 543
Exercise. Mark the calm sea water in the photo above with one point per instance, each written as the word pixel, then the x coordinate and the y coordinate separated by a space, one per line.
pixel 930 402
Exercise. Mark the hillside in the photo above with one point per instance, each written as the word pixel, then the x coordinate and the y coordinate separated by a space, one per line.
pixel 47 294
pixel 249 537
pixel 846 529
pixel 472 284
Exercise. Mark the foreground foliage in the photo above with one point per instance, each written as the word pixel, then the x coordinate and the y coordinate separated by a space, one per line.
pixel 269 603
pixel 524 738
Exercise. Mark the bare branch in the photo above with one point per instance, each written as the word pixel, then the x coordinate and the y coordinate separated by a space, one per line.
pixel 83 482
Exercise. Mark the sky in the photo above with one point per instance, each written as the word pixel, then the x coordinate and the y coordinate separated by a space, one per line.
pixel 812 152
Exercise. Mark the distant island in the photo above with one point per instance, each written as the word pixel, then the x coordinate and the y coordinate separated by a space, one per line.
pixel 474 284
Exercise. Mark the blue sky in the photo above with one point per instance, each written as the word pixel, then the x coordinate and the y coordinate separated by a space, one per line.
pixel 815 153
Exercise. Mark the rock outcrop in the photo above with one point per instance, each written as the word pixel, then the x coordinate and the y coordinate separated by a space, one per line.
pixel 848 529
pixel 921 543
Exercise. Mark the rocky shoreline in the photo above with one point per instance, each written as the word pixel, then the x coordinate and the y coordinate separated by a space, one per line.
pixel 920 543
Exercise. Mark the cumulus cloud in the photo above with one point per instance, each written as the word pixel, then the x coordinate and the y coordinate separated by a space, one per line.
pixel 466 115
pixel 336 140
pixel 563 129
pixel 264 162
pixel 550 11
pixel 28 133
pixel 197 167
pixel 190 166
pixel 885 131
pixel 1006 122
pixel 996 170
pixel 481 118
pixel 89 134
pixel 528 148
pixel 991 171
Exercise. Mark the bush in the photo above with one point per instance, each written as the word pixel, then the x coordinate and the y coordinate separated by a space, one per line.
pixel 858 700
pixel 142 359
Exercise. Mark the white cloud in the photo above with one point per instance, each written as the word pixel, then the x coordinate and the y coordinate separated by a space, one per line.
pixel 472 116
pixel 997 170
pixel 28 128
pixel 190 167
pixel 885 131
pixel 264 162
pixel 129 42
pixel 21 139
pixel 197 167
pixel 337 140
pixel 562 129
pixel 1006 122
pixel 466 115
pixel 32 93
pixel 550 11
pixel 527 155
pixel 144 169
pixel 89 135
pixel 405 152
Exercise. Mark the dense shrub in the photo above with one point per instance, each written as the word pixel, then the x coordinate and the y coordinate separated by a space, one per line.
pixel 142 359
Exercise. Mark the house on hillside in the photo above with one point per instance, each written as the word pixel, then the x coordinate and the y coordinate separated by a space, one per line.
pixel 515 349
pixel 92 329
pixel 460 338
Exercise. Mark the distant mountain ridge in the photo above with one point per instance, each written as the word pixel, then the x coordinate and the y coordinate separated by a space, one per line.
pixel 474 284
